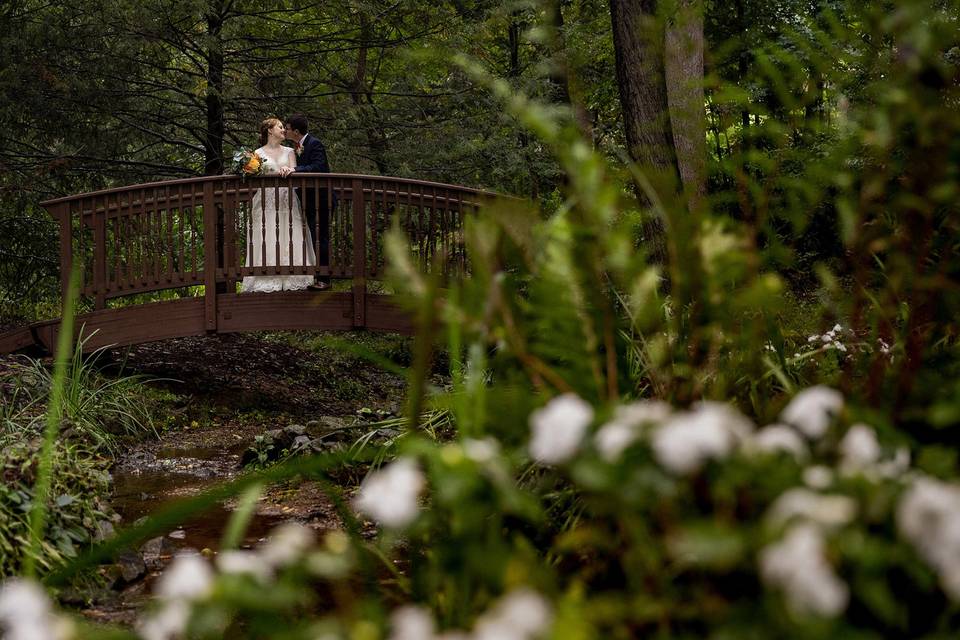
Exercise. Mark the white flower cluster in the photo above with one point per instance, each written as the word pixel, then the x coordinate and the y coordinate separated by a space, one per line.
pixel 625 428
pixel 26 613
pixel 682 441
pixel 798 565
pixel 522 614
pixel 829 340
pixel 190 578
pixel 928 515
pixel 390 496
pixel 709 430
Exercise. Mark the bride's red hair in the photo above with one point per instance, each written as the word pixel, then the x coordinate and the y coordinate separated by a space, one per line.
pixel 265 127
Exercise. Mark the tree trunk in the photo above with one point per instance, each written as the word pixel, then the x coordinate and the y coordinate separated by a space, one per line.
pixel 213 142
pixel 684 76
pixel 638 42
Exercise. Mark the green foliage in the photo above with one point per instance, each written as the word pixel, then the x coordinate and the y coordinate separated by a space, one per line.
pixel 75 503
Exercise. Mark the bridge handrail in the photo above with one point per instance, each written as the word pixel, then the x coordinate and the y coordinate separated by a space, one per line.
pixel 197 231
pixel 227 177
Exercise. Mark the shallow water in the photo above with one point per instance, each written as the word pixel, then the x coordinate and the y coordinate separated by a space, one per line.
pixel 146 482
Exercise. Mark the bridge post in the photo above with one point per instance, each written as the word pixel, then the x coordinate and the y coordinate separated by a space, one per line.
pixel 359 255
pixel 99 255
pixel 209 257
pixel 62 213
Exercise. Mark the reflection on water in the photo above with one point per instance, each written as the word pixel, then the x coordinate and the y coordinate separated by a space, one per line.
pixel 139 493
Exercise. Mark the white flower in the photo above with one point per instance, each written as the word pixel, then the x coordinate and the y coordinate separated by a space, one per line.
pixel 778 437
pixel 521 614
pixel 558 428
pixel 837 328
pixel 688 439
pixel 389 496
pixel 812 409
pixel 26 613
pixel 802 503
pixel 618 434
pixel 188 577
pixel 929 517
pixel 243 561
pixel 167 623
pixel 286 544
pixel 818 477
pixel 798 566
pixel 481 451
pixel 826 338
pixel 895 467
pixel 813 338
pixel 859 448
pixel 613 438
pixel 411 623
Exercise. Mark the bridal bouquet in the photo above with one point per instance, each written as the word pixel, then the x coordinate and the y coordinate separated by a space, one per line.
pixel 247 163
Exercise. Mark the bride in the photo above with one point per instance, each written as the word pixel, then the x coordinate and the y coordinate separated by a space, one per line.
pixel 267 215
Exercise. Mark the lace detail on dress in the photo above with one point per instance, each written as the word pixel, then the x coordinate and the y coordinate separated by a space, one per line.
pixel 276 218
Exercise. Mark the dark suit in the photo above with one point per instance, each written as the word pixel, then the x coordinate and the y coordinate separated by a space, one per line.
pixel 313 159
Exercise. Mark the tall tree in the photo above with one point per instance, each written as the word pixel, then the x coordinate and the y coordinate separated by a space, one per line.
pixel 638 39
pixel 685 97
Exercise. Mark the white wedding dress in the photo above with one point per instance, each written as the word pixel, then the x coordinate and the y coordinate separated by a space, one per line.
pixel 267 217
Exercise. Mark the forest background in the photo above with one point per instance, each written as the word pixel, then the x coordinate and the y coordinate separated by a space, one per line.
pixel 102 94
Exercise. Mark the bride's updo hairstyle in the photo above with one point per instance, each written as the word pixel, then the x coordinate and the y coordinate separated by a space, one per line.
pixel 265 127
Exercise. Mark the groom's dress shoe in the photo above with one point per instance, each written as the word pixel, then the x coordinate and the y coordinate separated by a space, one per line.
pixel 318 286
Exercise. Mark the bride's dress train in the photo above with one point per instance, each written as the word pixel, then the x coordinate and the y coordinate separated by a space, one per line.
pixel 267 217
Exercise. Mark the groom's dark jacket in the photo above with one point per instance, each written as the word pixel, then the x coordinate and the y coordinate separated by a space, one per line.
pixel 313 159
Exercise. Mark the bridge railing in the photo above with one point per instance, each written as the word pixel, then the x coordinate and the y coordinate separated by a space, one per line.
pixel 200 231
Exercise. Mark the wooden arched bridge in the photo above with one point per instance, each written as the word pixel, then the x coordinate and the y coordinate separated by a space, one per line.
pixel 133 243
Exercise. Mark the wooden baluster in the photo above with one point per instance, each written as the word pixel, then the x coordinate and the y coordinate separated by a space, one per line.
pixel 359 255
pixel 276 223
pixel 459 240
pixel 117 281
pixel 431 236
pixel 209 257
pixel 263 224
pixel 141 249
pixel 291 256
pixel 99 255
pixel 172 267
pixel 63 212
pixel 185 213
pixel 229 234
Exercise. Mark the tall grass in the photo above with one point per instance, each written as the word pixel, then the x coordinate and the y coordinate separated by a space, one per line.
pixel 41 490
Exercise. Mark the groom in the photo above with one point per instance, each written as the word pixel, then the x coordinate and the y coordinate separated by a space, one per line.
pixel 311 158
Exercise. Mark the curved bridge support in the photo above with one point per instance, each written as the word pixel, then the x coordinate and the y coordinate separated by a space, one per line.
pixel 288 310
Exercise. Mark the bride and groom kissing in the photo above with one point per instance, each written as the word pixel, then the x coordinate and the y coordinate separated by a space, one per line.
pixel 281 230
